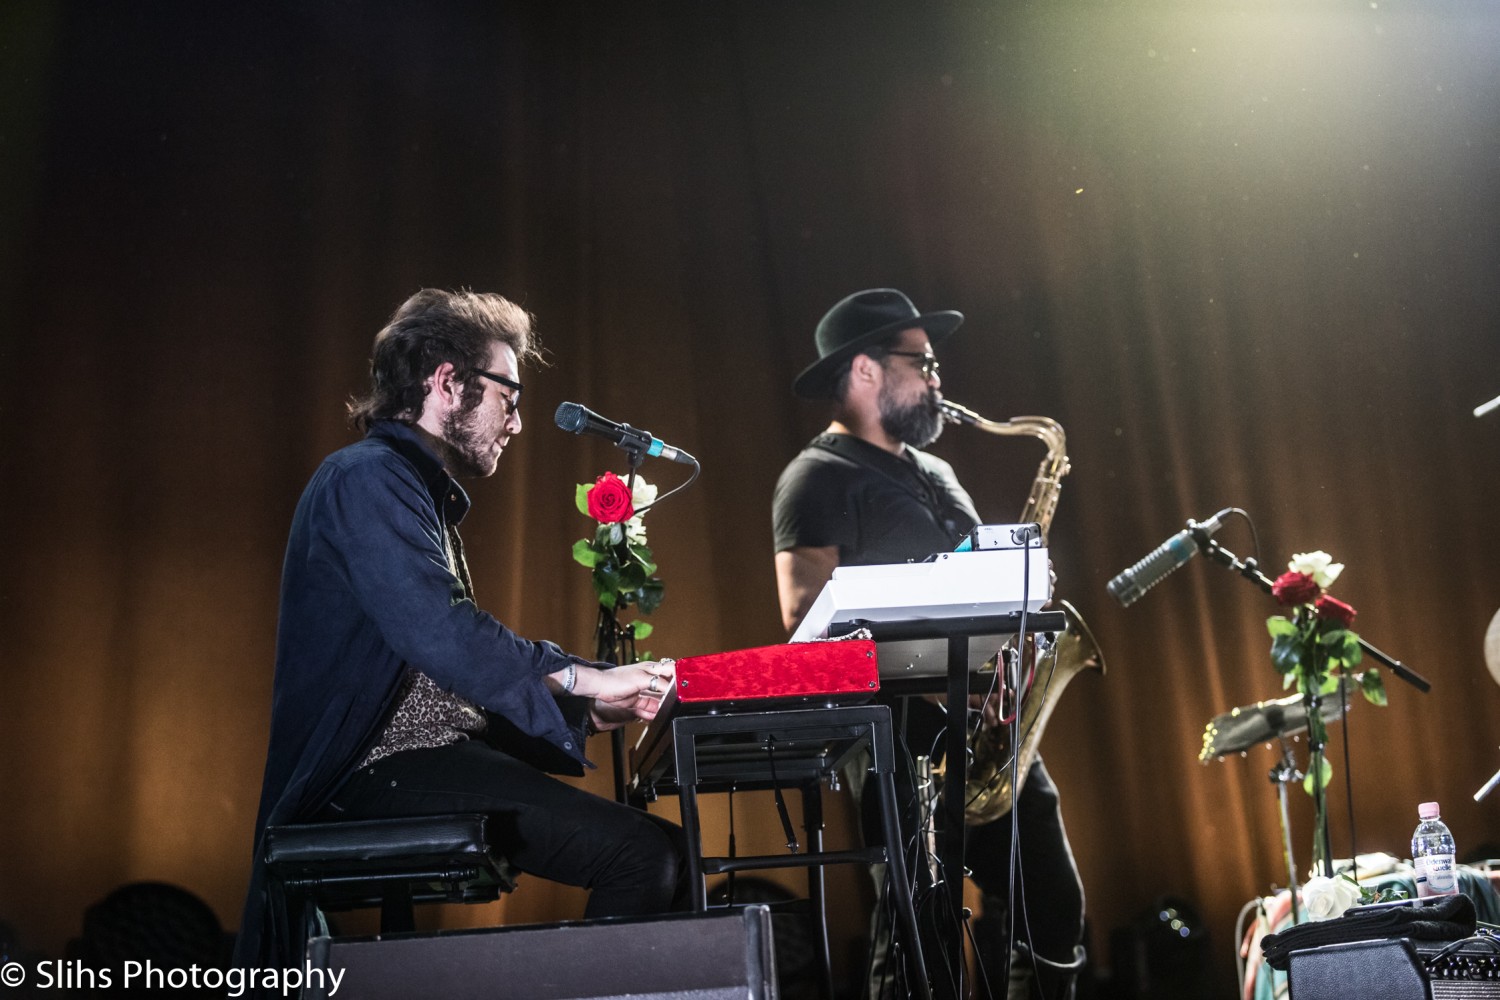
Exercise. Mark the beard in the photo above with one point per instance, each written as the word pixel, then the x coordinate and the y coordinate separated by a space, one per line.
pixel 916 424
pixel 468 452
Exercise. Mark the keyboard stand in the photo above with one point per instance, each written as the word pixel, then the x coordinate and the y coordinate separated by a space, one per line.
pixel 714 753
pixel 956 631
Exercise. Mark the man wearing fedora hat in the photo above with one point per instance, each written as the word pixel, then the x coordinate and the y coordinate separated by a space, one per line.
pixel 864 493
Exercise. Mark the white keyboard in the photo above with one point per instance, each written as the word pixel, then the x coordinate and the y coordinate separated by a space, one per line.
pixel 953 585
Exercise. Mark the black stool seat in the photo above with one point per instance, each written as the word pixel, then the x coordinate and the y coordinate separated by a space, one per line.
pixel 391 863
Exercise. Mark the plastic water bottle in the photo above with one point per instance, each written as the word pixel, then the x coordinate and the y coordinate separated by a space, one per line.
pixel 1432 854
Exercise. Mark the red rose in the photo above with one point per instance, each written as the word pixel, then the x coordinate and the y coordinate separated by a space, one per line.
pixel 609 500
pixel 1295 588
pixel 1334 610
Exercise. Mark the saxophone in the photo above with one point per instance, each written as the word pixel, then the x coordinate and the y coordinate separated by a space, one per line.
pixel 988 795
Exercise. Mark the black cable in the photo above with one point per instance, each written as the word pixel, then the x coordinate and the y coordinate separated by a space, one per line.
pixel 1015 745
pixel 1046 689
pixel 697 468
pixel 915 851
pixel 1254 536
pixel 984 977
pixel 1348 778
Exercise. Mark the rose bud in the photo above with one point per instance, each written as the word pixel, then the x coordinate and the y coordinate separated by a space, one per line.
pixel 1294 588
pixel 1334 610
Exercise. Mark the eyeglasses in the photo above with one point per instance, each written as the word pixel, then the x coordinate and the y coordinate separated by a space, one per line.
pixel 928 363
pixel 513 401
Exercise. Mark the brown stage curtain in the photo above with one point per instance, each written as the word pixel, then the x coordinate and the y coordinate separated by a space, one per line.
pixel 1246 256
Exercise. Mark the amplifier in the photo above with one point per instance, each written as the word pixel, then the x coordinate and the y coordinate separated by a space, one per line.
pixel 1469 971
pixel 1398 969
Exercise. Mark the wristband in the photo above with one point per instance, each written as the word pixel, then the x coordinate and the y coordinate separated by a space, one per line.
pixel 572 680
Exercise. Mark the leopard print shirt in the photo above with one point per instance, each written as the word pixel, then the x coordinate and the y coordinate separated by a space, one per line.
pixel 426 716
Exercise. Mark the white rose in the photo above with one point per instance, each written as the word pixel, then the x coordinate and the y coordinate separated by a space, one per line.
pixel 643 493
pixel 1318 565
pixel 1324 898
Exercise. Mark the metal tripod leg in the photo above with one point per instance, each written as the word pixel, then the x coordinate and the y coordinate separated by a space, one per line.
pixel 900 881
pixel 1282 775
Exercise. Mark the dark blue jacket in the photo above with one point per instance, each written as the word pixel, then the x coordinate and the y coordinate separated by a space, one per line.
pixel 366 593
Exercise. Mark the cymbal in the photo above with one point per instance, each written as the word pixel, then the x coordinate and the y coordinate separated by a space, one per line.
pixel 1492 647
pixel 1242 728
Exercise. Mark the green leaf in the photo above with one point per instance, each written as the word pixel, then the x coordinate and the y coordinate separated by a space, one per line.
pixel 1373 686
pixel 606 577
pixel 643 630
pixel 1286 653
pixel 585 554
pixel 1353 652
pixel 614 534
pixel 1333 637
pixel 1328 684
pixel 1278 626
pixel 1318 767
pixel 642 555
pixel 581 498
pixel 632 576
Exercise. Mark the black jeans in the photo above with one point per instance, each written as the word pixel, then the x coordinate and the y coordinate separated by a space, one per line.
pixel 1049 903
pixel 632 862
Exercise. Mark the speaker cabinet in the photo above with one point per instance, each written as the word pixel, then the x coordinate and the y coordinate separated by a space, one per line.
pixel 718 956
pixel 1385 969
pixel 1397 969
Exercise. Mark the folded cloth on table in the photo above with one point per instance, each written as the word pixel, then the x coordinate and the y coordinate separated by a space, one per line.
pixel 1447 919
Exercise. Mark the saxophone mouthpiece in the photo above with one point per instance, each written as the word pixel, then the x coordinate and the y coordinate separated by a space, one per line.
pixel 956 414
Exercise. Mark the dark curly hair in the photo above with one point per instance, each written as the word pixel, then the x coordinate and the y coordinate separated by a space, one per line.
pixel 431 327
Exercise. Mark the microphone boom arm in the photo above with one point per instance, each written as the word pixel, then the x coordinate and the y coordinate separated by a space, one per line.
pixel 1250 570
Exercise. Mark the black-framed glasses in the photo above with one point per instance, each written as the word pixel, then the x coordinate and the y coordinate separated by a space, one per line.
pixel 928 364
pixel 513 401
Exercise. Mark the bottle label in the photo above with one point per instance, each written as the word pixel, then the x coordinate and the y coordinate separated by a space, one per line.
pixel 1435 875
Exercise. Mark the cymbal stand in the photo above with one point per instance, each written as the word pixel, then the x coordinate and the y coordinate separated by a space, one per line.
pixel 1283 774
pixel 1489 786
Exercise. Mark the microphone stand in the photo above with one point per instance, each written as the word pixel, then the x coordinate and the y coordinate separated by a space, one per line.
pixel 613 646
pixel 1250 570
pixel 1489 786
pixel 1283 774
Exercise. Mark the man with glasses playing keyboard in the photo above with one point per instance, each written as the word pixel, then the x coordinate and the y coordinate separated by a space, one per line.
pixel 395 694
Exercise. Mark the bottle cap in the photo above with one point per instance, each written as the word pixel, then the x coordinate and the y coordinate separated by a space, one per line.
pixel 1427 810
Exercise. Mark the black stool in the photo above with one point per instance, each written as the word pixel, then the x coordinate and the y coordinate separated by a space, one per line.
pixel 391 863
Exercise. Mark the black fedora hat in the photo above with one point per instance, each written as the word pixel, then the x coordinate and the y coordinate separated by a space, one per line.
pixel 859 321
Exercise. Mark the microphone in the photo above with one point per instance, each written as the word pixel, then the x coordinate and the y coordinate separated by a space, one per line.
pixel 1128 587
pixel 582 420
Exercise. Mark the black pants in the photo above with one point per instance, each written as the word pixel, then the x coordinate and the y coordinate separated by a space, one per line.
pixel 1049 900
pixel 630 860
